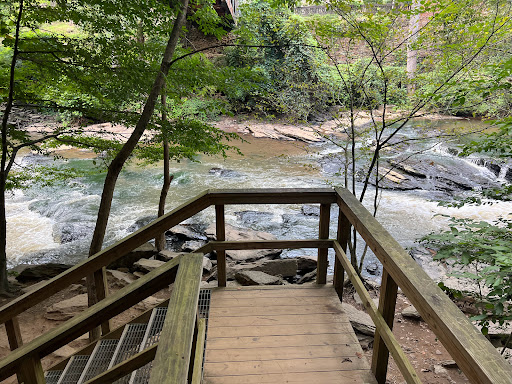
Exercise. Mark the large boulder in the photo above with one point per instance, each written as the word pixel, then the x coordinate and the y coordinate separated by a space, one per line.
pixel 144 251
pixel 257 278
pixel 145 265
pixel 35 273
pixel 187 232
pixel 279 267
pixel 305 264
pixel 360 321
pixel 66 309
pixel 241 234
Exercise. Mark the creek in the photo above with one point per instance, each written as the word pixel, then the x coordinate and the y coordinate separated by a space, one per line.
pixel 54 224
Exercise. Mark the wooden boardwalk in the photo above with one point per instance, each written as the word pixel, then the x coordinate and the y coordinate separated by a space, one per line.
pixel 279 334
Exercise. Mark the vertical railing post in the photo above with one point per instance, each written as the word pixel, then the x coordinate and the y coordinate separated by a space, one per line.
pixel 12 328
pixel 323 233
pixel 100 284
pixel 220 228
pixel 387 303
pixel 33 371
pixel 343 238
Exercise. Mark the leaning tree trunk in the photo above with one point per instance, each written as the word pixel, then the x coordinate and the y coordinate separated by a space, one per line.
pixel 160 240
pixel 4 169
pixel 96 285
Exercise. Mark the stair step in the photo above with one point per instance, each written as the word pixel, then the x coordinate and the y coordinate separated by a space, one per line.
pixel 155 326
pixel 129 344
pixel 52 377
pixel 100 359
pixel 74 369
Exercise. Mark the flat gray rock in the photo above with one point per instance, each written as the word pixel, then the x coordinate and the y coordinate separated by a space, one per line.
pixel 280 267
pixel 145 265
pixel 411 313
pixel 66 309
pixel 360 321
pixel 257 278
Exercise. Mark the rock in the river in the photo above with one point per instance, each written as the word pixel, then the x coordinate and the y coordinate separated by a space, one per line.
pixel 69 232
pixel 224 172
pixel 66 309
pixel 187 232
pixel 207 265
pixel 310 210
pixel 142 222
pixel 240 234
pixel 145 265
pixel 166 255
pixel 192 245
pixel 305 264
pixel 34 273
pixel 307 277
pixel 251 218
pixel 411 313
pixel 257 278
pixel 120 278
pixel 144 251
pixel 372 268
pixel 360 321
pixel 280 267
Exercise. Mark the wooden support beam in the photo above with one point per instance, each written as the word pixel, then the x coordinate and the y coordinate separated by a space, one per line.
pixel 12 328
pixel 387 303
pixel 197 373
pixel 173 357
pixel 323 233
pixel 272 196
pixel 101 286
pixel 401 360
pixel 32 371
pixel 220 228
pixel 343 237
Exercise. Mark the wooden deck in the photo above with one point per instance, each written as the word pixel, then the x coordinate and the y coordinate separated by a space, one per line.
pixel 281 335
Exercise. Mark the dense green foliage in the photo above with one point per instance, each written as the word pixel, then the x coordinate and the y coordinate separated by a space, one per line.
pixel 480 251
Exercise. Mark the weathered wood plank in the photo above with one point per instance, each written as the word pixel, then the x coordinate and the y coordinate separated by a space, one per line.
pixel 272 301
pixel 343 237
pixel 32 370
pixel 104 257
pixel 306 290
pixel 280 353
pixel 315 318
pixel 345 377
pixel 258 367
pixel 126 367
pixel 281 341
pixel 278 330
pixel 220 225
pixel 272 196
pixel 293 310
pixel 323 233
pixel 387 304
pixel 475 356
pixel 197 374
pixel 385 332
pixel 173 357
pixel 93 316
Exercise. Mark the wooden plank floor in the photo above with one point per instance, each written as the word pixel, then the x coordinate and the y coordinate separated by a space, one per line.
pixel 279 334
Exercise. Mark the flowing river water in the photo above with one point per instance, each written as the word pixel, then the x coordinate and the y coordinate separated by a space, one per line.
pixel 54 224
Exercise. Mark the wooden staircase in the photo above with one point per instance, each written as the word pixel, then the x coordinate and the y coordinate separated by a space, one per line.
pixel 175 348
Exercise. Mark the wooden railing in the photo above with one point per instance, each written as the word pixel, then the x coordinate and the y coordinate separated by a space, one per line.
pixel 473 353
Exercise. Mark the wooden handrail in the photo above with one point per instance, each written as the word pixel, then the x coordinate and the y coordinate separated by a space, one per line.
pixel 475 356
pixel 272 196
pixel 104 257
pixel 174 355
pixel 112 305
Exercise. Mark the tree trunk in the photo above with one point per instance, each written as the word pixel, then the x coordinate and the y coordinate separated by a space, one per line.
pixel 412 54
pixel 117 164
pixel 4 171
pixel 160 240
